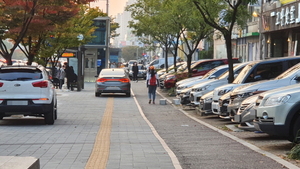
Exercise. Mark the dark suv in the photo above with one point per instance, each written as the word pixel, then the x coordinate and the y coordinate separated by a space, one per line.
pixel 199 68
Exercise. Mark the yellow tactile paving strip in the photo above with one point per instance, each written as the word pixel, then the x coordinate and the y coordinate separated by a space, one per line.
pixel 100 153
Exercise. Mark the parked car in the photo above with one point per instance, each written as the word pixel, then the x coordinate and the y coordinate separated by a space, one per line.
pixel 199 68
pixel 113 80
pixel 197 91
pixel 205 101
pixel 27 90
pixel 187 87
pixel 142 71
pixel 289 77
pixel 246 114
pixel 171 68
pixel 277 112
pixel 162 78
pixel 256 71
pixel 160 63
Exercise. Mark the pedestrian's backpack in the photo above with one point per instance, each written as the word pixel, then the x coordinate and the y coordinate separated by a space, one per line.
pixel 153 81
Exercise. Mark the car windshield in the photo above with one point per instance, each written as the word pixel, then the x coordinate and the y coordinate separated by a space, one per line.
pixel 289 72
pixel 112 72
pixel 239 79
pixel 20 74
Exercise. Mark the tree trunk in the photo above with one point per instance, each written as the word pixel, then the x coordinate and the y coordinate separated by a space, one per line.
pixel 189 61
pixel 227 37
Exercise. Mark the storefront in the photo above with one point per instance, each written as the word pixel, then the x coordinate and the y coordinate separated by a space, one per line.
pixel 280 28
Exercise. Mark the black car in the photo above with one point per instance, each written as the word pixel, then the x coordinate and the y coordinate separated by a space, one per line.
pixel 112 80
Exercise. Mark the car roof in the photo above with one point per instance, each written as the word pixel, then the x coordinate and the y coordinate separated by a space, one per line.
pixel 275 59
pixel 21 67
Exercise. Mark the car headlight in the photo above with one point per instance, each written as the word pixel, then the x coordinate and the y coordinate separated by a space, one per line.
pixel 181 87
pixel 170 77
pixel 224 91
pixel 245 94
pixel 208 99
pixel 202 88
pixel 277 100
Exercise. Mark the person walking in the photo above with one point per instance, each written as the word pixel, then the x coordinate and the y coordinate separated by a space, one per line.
pixel 152 83
pixel 135 71
pixel 60 75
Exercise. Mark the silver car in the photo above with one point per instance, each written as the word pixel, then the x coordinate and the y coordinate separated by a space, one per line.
pixel 113 80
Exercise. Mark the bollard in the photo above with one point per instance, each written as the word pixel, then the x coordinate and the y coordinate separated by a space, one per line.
pixel 162 102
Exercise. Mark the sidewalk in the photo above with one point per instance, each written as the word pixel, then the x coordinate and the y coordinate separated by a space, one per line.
pixel 200 145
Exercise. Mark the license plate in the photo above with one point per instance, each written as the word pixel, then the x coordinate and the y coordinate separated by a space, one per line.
pixel 17 102
pixel 112 88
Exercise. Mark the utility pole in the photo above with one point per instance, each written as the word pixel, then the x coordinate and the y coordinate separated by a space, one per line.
pixel 107 4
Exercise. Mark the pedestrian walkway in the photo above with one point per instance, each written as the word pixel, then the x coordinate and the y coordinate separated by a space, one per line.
pixel 119 132
pixel 200 145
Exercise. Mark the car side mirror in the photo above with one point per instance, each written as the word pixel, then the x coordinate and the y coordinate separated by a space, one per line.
pixel 212 77
pixel 257 77
pixel 194 70
pixel 297 78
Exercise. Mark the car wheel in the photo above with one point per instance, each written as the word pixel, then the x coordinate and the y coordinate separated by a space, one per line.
pixel 295 135
pixel 97 94
pixel 1 117
pixel 50 115
pixel 128 94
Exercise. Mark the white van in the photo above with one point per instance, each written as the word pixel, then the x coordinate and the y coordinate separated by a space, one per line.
pixel 160 63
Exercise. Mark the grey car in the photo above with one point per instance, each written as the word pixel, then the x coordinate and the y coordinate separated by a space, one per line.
pixel 113 80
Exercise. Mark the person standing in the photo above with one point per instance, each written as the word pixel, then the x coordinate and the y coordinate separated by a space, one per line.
pixel 135 71
pixel 152 83
pixel 60 75
pixel 69 74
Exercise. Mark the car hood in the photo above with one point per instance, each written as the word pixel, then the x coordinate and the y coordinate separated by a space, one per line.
pixel 228 86
pixel 188 80
pixel 194 82
pixel 285 89
pixel 264 85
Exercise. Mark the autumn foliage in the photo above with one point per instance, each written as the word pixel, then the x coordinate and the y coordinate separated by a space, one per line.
pixel 28 22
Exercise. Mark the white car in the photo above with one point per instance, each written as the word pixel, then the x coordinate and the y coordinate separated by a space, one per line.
pixel 202 88
pixel 277 112
pixel 253 72
pixel 27 90
pixel 289 77
pixel 212 74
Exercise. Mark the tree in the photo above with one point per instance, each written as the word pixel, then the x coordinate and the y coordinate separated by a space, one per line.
pixel 172 21
pixel 151 19
pixel 17 16
pixel 192 28
pixel 223 15
pixel 128 52
pixel 65 35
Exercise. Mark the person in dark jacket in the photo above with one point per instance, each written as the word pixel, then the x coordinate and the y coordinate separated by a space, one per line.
pixel 135 71
pixel 70 75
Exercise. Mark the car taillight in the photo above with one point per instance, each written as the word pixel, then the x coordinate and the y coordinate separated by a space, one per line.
pixel 101 80
pixel 1 84
pixel 123 80
pixel 41 84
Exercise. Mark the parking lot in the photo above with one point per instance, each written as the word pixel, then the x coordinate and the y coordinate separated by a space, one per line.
pixel 273 144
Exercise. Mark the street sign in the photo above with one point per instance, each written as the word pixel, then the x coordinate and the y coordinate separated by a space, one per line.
pixel 68 55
